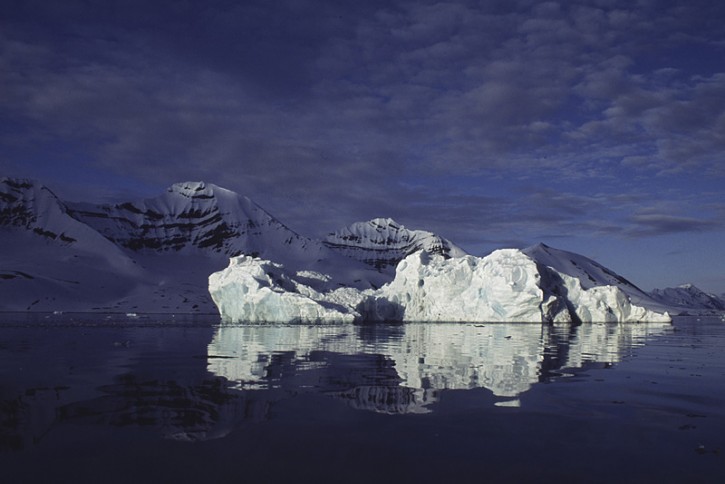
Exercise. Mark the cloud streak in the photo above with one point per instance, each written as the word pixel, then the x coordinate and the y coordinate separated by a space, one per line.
pixel 645 225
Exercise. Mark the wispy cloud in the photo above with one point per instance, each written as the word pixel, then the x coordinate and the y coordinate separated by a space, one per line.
pixel 659 224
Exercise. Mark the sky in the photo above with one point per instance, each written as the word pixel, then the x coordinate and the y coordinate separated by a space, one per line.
pixel 595 126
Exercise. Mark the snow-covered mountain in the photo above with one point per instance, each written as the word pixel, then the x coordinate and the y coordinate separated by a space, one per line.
pixel 193 215
pixel 688 296
pixel 33 207
pixel 148 255
pixel 383 243
pixel 51 261
pixel 201 221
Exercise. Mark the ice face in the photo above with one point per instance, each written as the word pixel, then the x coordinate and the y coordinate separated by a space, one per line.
pixel 427 287
pixel 505 286
pixel 254 290
pixel 606 304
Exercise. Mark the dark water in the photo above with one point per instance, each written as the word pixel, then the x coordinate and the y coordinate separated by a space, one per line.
pixel 161 399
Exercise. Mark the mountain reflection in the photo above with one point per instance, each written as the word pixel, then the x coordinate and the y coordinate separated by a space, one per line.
pixel 402 368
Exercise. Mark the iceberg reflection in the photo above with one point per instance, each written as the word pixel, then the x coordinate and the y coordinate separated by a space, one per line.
pixel 199 382
pixel 402 368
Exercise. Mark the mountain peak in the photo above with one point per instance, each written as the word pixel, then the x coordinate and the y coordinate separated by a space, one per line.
pixel 381 223
pixel 193 189
pixel 18 183
pixel 188 186
pixel 193 215
pixel 25 202
pixel 537 248
pixel 383 242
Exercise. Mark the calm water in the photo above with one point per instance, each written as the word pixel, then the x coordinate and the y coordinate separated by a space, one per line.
pixel 88 398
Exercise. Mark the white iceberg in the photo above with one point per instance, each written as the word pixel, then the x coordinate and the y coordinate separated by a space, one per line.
pixel 427 287
pixel 506 286
pixel 259 291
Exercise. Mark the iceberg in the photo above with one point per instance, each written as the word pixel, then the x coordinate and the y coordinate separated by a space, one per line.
pixel 428 287
pixel 255 290
pixel 506 286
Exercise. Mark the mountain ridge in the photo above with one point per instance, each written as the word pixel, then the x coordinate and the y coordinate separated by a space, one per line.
pixel 191 214
pixel 165 245
pixel 156 254
pixel 688 296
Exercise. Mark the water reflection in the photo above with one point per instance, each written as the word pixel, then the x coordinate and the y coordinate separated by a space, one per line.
pixel 112 376
pixel 402 368
pixel 201 382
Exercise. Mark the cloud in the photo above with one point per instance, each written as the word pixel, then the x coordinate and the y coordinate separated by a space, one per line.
pixel 649 225
pixel 323 111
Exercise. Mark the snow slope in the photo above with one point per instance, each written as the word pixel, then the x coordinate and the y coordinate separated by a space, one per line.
pixel 382 243
pixel 27 205
pixel 191 215
pixel 50 261
pixel 590 273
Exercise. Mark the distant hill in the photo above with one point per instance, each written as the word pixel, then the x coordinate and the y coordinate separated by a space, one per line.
pixel 689 297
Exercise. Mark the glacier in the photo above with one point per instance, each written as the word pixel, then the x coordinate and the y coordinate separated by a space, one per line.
pixel 506 286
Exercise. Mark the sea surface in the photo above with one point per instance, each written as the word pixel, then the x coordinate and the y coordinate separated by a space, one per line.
pixel 162 398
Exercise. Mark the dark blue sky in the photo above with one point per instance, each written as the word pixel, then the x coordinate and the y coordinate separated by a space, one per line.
pixel 594 126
